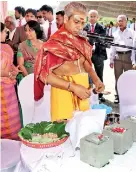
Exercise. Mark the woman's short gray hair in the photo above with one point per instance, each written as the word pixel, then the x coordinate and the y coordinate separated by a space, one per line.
pixel 74 6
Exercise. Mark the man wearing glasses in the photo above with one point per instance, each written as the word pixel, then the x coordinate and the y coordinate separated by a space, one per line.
pixel 44 24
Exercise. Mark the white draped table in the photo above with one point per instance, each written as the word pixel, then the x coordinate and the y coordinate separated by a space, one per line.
pixel 64 159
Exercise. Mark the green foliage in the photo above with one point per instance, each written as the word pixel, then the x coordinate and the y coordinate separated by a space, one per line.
pixel 106 20
pixel 11 13
pixel 25 133
pixel 59 129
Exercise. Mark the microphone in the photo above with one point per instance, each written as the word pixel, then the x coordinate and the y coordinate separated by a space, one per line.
pixel 82 33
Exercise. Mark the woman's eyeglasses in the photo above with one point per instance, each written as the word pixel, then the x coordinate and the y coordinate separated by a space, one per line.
pixel 39 17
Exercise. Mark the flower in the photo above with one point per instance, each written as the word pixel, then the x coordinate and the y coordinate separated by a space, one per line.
pixel 118 130
pixel 100 136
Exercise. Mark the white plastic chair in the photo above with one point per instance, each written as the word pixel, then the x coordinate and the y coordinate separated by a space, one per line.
pixel 127 94
pixel 42 107
pixel 33 111
pixel 26 98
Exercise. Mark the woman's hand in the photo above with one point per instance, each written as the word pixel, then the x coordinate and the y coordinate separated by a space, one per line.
pixel 14 72
pixel 16 69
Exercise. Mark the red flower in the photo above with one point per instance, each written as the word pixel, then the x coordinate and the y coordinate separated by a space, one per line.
pixel 118 130
pixel 100 136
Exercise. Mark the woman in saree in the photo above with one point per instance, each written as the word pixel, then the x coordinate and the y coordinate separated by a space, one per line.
pixel 10 118
pixel 28 49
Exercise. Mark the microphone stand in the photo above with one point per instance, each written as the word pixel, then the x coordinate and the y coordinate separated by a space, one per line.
pixel 106 41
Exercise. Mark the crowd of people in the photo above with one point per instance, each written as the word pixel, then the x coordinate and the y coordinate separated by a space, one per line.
pixel 111 27
pixel 34 41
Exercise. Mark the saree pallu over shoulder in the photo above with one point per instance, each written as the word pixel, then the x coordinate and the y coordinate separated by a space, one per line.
pixel 6 56
pixel 61 47
pixel 26 50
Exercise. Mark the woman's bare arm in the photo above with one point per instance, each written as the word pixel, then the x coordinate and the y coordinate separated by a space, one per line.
pixel 20 62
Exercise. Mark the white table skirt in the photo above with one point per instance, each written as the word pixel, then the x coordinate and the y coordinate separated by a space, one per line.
pixel 10 154
pixel 63 158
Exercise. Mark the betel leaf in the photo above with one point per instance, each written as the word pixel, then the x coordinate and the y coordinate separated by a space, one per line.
pixel 30 126
pixel 37 129
pixel 60 129
pixel 26 133
pixel 43 125
pixel 49 128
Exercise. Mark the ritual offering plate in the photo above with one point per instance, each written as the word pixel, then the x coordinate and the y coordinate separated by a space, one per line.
pixel 44 134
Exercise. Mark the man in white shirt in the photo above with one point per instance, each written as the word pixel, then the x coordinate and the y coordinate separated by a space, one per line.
pixel 19 15
pixel 10 24
pixel 133 25
pixel 122 59
pixel 48 16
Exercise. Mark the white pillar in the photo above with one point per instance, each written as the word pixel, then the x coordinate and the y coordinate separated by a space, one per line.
pixel 3 10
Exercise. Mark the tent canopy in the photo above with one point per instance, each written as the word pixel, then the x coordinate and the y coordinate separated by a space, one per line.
pixel 108 8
